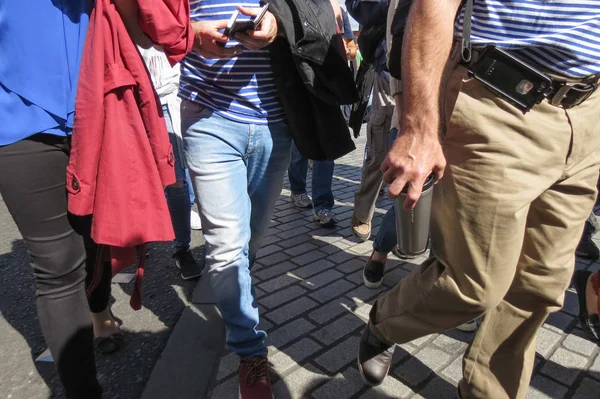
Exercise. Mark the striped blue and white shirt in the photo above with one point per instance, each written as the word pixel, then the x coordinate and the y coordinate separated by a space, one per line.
pixel 561 36
pixel 242 88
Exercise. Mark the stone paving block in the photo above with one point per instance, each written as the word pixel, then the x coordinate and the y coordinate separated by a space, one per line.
pixel 543 388
pixel 564 366
pixel 390 279
pixel 439 388
pixel 327 312
pixel 363 312
pixel 300 249
pixel 559 322
pixel 229 365
pixel 420 342
pixel 290 357
pixel 433 358
pixel 571 305
pixel 329 249
pixel 270 240
pixel 391 388
pixel 281 297
pixel 319 280
pixel 546 342
pixel 343 385
pixel 338 329
pixel 264 324
pixel 295 215
pixel 450 344
pixel 595 367
pixel 313 268
pixel 226 390
pixel 286 334
pixel 308 257
pixel 341 256
pixel 292 242
pixel 275 270
pixel 273 259
pixel 331 291
pixel 267 250
pixel 454 371
pixel 362 248
pixel 413 372
pixel 353 265
pixel 298 384
pixel 364 294
pixel 578 341
pixel 293 232
pixel 279 282
pixel 326 238
pixel 356 277
pixel 588 389
pixel 291 310
pixel 339 356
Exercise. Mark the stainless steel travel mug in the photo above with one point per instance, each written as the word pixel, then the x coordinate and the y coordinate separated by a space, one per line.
pixel 412 226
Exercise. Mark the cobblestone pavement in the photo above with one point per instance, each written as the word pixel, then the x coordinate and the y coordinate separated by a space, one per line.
pixel 314 305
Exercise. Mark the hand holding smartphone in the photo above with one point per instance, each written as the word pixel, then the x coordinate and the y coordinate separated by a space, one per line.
pixel 236 25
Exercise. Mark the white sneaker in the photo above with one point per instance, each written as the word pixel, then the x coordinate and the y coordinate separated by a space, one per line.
pixel 469 327
pixel 302 200
pixel 195 223
pixel 325 217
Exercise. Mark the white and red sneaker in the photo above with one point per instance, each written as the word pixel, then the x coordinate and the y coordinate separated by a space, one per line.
pixel 254 379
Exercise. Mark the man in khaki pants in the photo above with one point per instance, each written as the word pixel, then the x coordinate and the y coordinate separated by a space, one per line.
pixel 514 191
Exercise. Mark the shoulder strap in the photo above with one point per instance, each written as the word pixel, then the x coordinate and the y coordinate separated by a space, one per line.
pixel 465 52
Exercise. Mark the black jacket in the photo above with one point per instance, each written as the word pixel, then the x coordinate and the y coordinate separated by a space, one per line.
pixel 312 77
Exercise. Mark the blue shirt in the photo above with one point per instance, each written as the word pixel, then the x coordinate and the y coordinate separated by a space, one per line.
pixel 562 36
pixel 41 42
pixel 241 88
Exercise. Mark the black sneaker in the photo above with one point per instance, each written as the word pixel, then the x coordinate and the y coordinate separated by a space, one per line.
pixel 373 273
pixel 374 358
pixel 587 249
pixel 190 269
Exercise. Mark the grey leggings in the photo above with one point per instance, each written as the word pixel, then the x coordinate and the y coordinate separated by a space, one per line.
pixel 32 184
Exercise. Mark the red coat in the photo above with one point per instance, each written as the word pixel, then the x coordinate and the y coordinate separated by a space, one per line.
pixel 121 157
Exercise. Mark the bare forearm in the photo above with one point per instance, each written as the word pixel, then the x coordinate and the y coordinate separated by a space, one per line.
pixel 337 12
pixel 427 44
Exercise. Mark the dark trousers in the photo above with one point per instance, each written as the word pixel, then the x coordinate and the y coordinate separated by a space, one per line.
pixel 32 184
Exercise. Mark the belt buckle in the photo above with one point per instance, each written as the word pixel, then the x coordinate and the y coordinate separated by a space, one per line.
pixel 562 92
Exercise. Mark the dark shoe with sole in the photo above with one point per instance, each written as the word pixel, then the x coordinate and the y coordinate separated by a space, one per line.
pixel 254 379
pixel 190 269
pixel 374 358
pixel 591 324
pixel 373 273
pixel 586 248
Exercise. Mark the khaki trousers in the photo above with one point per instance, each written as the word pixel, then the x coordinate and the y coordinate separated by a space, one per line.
pixel 506 220
pixel 378 133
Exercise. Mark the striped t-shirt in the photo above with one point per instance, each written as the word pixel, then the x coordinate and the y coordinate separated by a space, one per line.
pixel 242 88
pixel 562 36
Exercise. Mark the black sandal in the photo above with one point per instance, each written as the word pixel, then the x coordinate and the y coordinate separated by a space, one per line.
pixel 110 344
pixel 591 324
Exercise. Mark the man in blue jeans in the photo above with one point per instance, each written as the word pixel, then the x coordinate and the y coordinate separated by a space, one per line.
pixel 322 178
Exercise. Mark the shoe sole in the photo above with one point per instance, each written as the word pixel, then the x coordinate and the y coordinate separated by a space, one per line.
pixel 361 237
pixel 369 284
pixel 189 277
pixel 331 223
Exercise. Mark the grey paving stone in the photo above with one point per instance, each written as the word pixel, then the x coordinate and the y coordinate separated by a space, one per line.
pixel 291 310
pixel 351 266
pixel 450 344
pixel 559 322
pixel 413 372
pixel 291 356
pixel 340 257
pixel 421 342
pixel 338 329
pixel 273 259
pixel 329 311
pixel 308 257
pixel 339 356
pixel 364 294
pixel 229 365
pixel 329 249
pixel 439 388
pixel 279 282
pixel 293 232
pixel 267 250
pixel 543 388
pixel 319 280
pixel 276 270
pixel 579 342
pixel 227 389
pixel 588 389
pixel 454 371
pixel 299 383
pixel 356 277
pixel 546 342
pixel 300 249
pixel 291 331
pixel 362 248
pixel 390 279
pixel 391 388
pixel 343 385
pixel 564 366
pixel 315 267
pixel 264 324
pixel 571 305
pixel 363 312
pixel 292 242
pixel 433 358
pixel 331 291
pixel 595 367
pixel 281 297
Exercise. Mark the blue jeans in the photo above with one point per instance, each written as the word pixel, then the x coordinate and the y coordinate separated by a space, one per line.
pixel 237 170
pixel 178 197
pixel 386 235
pixel 322 179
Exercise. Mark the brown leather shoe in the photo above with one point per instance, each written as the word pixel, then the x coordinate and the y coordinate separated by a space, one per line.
pixel 374 358
pixel 361 230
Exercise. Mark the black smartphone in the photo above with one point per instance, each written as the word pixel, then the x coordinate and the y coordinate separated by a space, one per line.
pixel 511 78
pixel 235 25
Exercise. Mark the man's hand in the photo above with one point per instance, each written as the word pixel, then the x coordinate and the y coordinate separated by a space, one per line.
pixel 261 37
pixel 412 158
pixel 206 34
